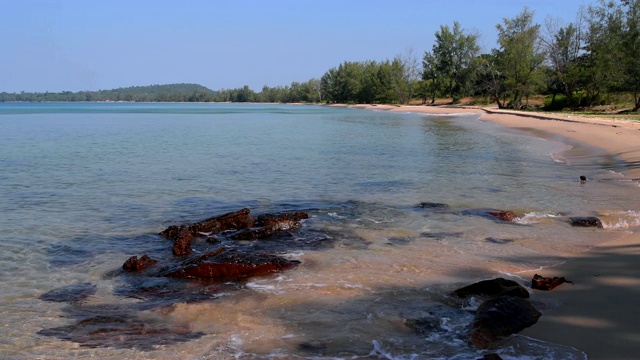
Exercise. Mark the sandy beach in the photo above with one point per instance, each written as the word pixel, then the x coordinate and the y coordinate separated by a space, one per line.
pixel 599 312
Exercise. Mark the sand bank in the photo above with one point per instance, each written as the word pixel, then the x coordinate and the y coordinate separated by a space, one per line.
pixel 600 312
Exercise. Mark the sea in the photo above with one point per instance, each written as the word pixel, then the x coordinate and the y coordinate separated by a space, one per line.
pixel 398 218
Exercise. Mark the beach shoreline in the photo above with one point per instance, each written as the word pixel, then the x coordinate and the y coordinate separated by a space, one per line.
pixel 598 312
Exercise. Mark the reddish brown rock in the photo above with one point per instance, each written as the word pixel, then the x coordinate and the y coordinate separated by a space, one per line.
pixel 501 316
pixel 493 287
pixel 224 264
pixel 545 283
pixel 134 264
pixel 509 216
pixel 182 244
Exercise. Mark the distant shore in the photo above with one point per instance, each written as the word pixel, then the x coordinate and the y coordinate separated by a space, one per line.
pixel 598 313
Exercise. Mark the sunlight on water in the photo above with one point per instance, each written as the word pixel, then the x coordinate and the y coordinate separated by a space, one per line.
pixel 398 218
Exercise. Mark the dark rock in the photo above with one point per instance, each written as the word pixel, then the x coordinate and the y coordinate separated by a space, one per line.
pixel 135 264
pixel 588 221
pixel 272 219
pixel 273 227
pixel 493 287
pixel 231 221
pixel 492 356
pixel 71 293
pixel 182 244
pixel 224 264
pixel 544 283
pixel 501 316
pixel 509 216
pixel 424 326
pixel 432 205
pixel 121 332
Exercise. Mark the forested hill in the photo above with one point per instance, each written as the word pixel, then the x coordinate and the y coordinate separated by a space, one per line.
pixel 165 93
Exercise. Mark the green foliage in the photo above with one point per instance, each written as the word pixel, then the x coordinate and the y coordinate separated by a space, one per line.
pixel 450 65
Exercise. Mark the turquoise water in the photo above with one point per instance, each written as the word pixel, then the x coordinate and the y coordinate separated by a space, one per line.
pixel 85 186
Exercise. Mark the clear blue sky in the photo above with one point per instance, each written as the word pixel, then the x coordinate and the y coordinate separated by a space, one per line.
pixel 79 45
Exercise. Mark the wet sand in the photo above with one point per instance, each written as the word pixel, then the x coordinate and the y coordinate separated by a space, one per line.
pixel 600 312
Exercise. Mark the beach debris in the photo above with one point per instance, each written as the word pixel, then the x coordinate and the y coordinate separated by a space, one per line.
pixel 509 216
pixel 586 221
pixel 540 282
pixel 501 316
pixel 493 287
pixel 229 264
pixel 71 293
pixel 583 179
pixel 133 264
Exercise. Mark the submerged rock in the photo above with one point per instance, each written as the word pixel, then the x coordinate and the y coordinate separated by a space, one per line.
pixel 509 216
pixel 493 287
pixel 432 205
pixel 545 283
pixel 587 221
pixel 121 332
pixel 71 293
pixel 501 316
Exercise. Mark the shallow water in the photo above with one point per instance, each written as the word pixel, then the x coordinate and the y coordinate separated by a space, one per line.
pixel 85 186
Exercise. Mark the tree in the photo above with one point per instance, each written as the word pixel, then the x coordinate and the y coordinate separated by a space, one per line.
pixel 452 58
pixel 615 44
pixel 432 79
pixel 565 47
pixel 519 55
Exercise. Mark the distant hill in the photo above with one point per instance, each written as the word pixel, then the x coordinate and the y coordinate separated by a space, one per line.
pixel 151 93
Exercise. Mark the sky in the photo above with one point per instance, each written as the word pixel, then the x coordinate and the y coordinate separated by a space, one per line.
pixel 90 45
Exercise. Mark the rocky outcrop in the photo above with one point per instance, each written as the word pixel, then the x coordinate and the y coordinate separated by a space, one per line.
pixel 272 227
pixel 492 288
pixel 234 220
pixel 225 264
pixel 587 221
pixel 545 283
pixel 133 264
pixel 182 241
pixel 501 316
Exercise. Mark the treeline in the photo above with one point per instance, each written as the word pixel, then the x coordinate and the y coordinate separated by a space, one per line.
pixel 163 93
pixel 578 64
